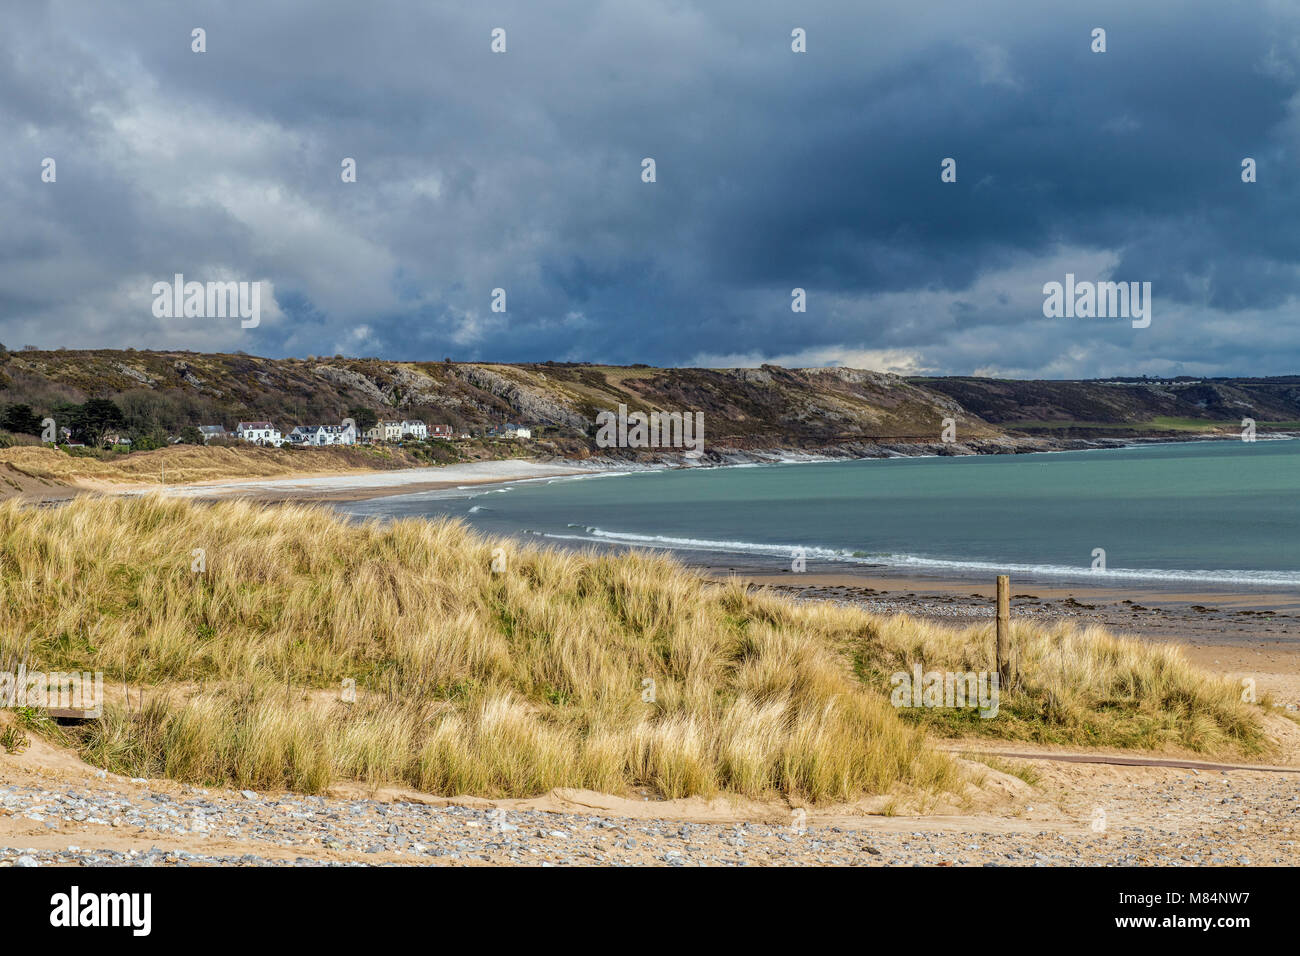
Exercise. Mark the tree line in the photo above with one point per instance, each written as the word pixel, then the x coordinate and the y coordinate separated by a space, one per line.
pixel 92 422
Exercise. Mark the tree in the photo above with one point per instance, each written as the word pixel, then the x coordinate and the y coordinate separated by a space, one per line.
pixel 191 435
pixel 20 418
pixel 149 440
pixel 93 421
pixel 364 417
pixel 145 410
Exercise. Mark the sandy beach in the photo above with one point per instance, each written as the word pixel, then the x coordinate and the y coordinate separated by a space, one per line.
pixel 45 476
pixel 358 486
pixel 321 486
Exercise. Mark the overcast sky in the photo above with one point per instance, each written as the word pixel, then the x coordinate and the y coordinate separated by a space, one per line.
pixel 523 171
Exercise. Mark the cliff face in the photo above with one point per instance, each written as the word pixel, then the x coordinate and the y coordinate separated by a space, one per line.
pixel 765 407
pixel 836 410
pixel 1139 405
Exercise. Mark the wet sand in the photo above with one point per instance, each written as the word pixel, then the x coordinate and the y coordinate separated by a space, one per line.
pixel 1139 609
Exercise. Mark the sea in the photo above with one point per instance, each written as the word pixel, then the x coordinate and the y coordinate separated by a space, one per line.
pixel 1182 515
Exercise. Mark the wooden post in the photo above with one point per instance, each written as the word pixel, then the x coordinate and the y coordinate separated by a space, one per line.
pixel 1004 631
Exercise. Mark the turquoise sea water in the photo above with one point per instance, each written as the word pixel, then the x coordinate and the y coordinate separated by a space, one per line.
pixel 1204 513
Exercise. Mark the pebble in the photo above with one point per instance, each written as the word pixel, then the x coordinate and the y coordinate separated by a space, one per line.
pixel 1180 821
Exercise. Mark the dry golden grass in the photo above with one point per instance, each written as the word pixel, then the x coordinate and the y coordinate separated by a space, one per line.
pixel 509 683
pixel 191 463
pixel 472 681
pixel 1074 685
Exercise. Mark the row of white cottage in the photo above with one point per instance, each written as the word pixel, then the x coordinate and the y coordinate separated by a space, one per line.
pixel 265 433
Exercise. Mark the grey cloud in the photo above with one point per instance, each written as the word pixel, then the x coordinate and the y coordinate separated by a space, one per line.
pixel 775 170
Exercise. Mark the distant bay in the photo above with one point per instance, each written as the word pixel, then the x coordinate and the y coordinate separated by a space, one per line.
pixel 1216 513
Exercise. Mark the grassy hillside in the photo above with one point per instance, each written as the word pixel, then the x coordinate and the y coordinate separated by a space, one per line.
pixel 742 407
pixel 488 668
pixel 1125 406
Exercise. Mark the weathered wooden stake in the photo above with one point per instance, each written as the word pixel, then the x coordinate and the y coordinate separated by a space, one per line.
pixel 1004 631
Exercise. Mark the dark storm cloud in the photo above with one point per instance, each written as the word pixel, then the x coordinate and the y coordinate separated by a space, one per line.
pixel 775 170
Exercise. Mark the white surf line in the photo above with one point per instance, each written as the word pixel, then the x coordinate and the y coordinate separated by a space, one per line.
pixel 1031 573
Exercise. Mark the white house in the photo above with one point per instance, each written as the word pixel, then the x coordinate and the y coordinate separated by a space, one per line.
pixel 259 433
pixel 323 435
pixel 339 434
pixel 210 432
pixel 413 427
pixel 510 430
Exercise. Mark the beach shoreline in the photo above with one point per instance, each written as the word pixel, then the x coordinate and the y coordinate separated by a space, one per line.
pixel 1195 614
pixel 362 483
pixel 337 486
pixel 362 486
pixel 1224 628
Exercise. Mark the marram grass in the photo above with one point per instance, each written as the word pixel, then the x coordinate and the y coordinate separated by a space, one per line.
pixel 510 682
pixel 1075 686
